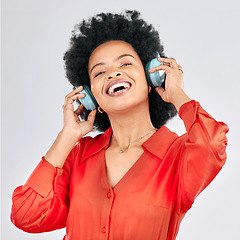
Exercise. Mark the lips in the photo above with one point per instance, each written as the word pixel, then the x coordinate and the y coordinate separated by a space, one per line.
pixel 118 87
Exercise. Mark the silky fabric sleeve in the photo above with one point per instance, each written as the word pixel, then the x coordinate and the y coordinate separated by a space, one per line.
pixel 41 204
pixel 203 153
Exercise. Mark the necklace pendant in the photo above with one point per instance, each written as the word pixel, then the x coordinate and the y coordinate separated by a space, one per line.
pixel 121 151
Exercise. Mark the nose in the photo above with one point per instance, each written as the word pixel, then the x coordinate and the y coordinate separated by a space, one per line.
pixel 114 74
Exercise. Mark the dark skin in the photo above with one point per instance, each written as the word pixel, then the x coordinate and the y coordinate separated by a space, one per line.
pixel 128 111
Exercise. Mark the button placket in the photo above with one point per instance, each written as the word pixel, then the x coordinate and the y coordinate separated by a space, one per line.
pixel 108 207
pixel 104 229
pixel 109 194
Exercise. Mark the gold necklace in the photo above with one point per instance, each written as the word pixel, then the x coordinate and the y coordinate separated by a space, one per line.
pixel 138 139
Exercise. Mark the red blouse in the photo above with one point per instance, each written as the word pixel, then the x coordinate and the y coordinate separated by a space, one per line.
pixel 149 202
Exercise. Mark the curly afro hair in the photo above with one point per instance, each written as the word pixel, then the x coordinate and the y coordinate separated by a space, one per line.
pixel 104 27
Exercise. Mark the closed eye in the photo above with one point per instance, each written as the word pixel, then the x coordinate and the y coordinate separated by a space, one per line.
pixel 126 64
pixel 99 73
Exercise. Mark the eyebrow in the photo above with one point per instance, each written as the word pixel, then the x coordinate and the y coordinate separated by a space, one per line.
pixel 119 57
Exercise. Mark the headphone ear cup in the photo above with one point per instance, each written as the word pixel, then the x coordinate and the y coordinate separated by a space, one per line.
pixel 89 102
pixel 155 79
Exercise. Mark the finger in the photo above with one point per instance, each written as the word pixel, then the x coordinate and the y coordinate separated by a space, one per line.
pixel 73 98
pixel 179 67
pixel 159 90
pixel 69 101
pixel 78 89
pixel 79 110
pixel 169 61
pixel 91 116
pixel 72 93
pixel 160 67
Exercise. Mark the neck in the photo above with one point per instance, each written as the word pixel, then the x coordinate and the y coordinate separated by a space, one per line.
pixel 130 126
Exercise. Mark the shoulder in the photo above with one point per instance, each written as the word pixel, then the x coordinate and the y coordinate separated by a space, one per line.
pixel 163 141
pixel 89 146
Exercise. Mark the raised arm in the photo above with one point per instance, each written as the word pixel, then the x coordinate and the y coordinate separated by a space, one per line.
pixel 204 146
pixel 203 151
pixel 73 129
pixel 41 204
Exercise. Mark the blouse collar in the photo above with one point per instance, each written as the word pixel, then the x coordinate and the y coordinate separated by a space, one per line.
pixel 157 144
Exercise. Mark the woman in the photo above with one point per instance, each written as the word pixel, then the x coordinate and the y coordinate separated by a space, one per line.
pixel 138 179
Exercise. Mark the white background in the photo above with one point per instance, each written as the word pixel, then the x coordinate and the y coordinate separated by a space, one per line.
pixel 202 35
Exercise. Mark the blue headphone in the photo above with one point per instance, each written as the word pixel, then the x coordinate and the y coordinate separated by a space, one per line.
pixel 155 79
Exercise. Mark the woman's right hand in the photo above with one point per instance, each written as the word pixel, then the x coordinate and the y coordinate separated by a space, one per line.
pixel 72 125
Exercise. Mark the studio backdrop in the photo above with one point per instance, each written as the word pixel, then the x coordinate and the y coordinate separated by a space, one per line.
pixel 202 35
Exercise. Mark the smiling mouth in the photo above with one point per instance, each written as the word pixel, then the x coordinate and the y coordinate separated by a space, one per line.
pixel 117 88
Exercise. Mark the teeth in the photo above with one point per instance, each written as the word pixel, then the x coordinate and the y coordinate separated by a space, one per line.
pixel 121 84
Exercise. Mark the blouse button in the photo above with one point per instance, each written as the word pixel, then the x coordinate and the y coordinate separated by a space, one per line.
pixel 104 230
pixel 109 194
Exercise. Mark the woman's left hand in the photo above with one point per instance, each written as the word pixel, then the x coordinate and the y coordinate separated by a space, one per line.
pixel 173 91
pixel 174 78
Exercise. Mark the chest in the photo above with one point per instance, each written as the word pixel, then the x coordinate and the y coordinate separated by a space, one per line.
pixel 118 164
pixel 136 171
pixel 143 197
